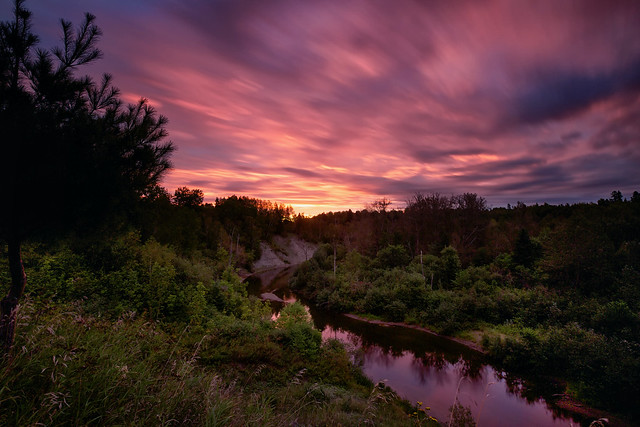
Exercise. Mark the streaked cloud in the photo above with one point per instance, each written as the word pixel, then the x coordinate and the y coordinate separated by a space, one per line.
pixel 330 104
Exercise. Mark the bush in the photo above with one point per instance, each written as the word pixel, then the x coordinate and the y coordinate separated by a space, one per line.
pixel 603 371
pixel 376 300
pixel 615 318
pixel 61 276
pixel 448 266
pixel 409 289
pixel 396 311
pixel 478 277
pixel 296 330
pixel 392 256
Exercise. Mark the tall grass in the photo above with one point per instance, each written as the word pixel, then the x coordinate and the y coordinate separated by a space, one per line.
pixel 132 333
pixel 69 367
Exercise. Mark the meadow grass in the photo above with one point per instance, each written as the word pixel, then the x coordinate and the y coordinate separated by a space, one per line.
pixel 69 367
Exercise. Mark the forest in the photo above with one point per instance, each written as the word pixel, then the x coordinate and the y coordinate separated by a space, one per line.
pixel 546 290
pixel 126 303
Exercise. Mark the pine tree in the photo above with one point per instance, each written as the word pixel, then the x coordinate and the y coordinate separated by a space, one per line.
pixel 72 153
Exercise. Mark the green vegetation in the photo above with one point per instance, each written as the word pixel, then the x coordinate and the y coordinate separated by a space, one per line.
pixel 134 313
pixel 76 158
pixel 131 332
pixel 554 290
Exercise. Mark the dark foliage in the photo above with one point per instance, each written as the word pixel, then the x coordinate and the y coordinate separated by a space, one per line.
pixel 73 155
pixel 557 288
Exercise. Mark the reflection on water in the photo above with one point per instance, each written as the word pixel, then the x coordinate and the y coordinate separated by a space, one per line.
pixel 427 368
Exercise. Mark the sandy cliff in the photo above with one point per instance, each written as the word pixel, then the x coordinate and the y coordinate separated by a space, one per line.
pixel 283 251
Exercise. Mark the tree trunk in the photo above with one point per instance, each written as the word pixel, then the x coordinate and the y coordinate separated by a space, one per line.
pixel 9 304
pixel 231 246
pixel 334 261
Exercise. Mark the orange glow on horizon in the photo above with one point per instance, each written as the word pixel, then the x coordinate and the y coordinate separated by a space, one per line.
pixel 341 104
pixel 306 196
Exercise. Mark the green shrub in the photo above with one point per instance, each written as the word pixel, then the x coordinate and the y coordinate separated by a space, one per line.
pixel 340 299
pixel 392 256
pixel 296 330
pixel 376 300
pixel 396 311
pixel 60 276
pixel 478 277
pixel 448 266
pixel 615 318
pixel 409 289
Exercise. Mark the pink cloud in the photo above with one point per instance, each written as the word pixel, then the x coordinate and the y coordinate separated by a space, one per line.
pixel 328 105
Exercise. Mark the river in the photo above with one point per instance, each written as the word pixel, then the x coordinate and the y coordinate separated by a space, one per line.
pixel 422 367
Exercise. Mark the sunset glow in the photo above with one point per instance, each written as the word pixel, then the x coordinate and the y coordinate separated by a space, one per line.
pixel 329 105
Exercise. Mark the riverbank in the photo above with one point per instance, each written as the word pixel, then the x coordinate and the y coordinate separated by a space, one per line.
pixel 70 367
pixel 564 401
pixel 468 343
pixel 575 407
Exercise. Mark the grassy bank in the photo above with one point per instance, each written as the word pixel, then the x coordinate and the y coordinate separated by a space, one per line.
pixel 87 354
pixel 71 367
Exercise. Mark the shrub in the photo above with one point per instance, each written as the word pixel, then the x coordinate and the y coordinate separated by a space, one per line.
pixel 449 266
pixel 297 330
pixel 615 318
pixel 396 311
pixel 478 277
pixel 61 276
pixel 392 256
pixel 409 289
pixel 376 300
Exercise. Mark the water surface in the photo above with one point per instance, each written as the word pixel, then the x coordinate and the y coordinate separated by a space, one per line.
pixel 422 367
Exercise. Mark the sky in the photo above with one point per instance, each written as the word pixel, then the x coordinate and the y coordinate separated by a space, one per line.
pixel 328 105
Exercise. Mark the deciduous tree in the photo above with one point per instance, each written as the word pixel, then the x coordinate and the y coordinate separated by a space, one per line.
pixel 183 196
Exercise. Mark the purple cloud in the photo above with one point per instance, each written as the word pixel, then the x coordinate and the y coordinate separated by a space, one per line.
pixel 328 105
